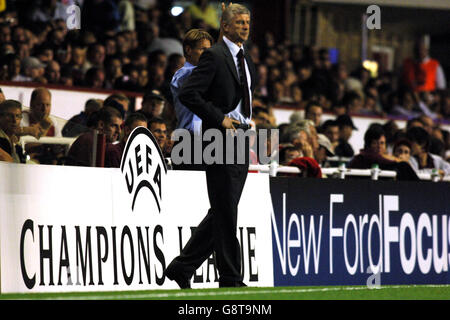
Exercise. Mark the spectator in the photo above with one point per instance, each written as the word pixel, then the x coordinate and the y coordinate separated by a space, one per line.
pixel 152 104
pixel 39 114
pixel 114 152
pixel 95 57
pixel 78 124
pixel 53 72
pixel 346 127
pixel 423 73
pixel 288 153
pixel 330 129
pixel 390 130
pixel 299 137
pixel 402 150
pixel 422 160
pixel 113 71
pixel 95 78
pixel 33 70
pixel 428 123
pixel 108 122
pixel 261 116
pixel 353 102
pixel 374 152
pixel 118 101
pixel 324 150
pixel 313 112
pixel 158 128
pixel 10 117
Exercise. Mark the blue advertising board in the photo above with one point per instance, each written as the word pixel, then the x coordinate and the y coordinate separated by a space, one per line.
pixel 360 232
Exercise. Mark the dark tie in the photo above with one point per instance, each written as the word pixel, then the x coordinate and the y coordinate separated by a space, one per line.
pixel 244 83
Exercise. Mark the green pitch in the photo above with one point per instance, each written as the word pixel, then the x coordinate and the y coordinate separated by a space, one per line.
pixel 412 292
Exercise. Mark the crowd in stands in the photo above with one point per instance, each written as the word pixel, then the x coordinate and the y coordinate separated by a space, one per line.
pixel 136 46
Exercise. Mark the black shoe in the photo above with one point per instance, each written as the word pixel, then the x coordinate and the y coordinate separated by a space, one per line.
pixel 182 282
pixel 231 284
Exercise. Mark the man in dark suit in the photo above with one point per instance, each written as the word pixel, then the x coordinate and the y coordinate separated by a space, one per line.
pixel 219 92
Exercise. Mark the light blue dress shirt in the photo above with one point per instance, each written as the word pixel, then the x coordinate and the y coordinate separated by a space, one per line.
pixel 186 118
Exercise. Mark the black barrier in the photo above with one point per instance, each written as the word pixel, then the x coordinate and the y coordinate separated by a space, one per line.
pixel 357 232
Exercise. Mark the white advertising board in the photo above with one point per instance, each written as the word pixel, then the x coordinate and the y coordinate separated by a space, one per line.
pixel 71 229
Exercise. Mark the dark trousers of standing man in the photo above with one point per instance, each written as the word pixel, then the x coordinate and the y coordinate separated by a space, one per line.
pixel 217 231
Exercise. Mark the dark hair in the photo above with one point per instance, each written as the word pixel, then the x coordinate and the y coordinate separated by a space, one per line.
pixel 310 104
pixel 157 120
pixel 284 150
pixel 402 142
pixel 437 146
pixel 374 132
pixel 329 123
pixel 411 121
pixel 349 97
pixel 10 104
pixel 135 116
pixel 420 136
pixel 105 114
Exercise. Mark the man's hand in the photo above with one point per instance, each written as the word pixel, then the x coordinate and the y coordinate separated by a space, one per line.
pixel 34 130
pixel 227 123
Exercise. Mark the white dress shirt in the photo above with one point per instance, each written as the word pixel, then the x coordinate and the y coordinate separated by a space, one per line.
pixel 237 113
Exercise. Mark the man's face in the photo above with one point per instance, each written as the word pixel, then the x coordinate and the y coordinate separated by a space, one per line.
pixel 10 120
pixel 402 152
pixel 159 130
pixel 428 124
pixel 315 114
pixel 79 56
pixel 196 52
pixel 41 106
pixel 112 129
pixel 238 30
pixel 346 132
pixel 134 125
pixel 378 146
pixel 321 154
pixel 332 133
pixel 291 155
pixel 157 107
pixel 53 72
pixel 99 55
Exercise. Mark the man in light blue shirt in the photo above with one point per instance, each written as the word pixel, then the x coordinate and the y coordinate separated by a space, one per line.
pixel 194 43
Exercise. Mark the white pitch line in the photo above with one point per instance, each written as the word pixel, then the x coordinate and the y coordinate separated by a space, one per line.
pixel 187 294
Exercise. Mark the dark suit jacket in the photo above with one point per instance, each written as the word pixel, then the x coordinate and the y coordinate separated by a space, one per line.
pixel 213 89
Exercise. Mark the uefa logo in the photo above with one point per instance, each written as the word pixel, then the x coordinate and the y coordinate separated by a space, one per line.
pixel 143 166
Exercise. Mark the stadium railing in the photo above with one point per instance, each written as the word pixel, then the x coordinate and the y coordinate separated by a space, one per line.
pixel 341 172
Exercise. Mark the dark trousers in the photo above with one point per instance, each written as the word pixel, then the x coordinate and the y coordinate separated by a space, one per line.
pixel 217 231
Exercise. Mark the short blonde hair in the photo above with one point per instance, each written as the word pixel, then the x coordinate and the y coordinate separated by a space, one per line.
pixel 193 36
